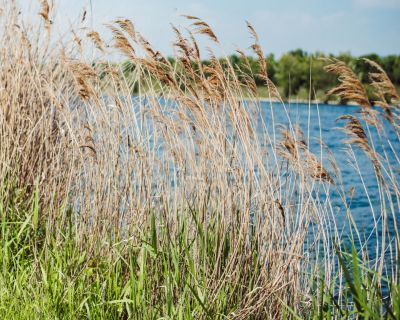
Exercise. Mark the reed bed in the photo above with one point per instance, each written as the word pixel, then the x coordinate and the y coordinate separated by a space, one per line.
pixel 180 202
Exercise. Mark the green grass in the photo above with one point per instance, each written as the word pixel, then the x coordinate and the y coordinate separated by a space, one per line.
pixel 154 277
pixel 360 296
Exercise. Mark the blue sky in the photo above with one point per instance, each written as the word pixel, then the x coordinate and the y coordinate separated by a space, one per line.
pixel 357 26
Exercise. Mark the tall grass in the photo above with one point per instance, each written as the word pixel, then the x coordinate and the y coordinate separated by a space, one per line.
pixel 181 202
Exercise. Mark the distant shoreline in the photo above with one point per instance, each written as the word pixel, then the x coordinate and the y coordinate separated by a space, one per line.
pixel 313 102
pixel 303 101
pixel 291 101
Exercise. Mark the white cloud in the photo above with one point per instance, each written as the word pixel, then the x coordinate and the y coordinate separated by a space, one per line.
pixel 378 3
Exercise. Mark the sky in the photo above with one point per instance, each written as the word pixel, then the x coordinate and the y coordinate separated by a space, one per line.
pixel 331 26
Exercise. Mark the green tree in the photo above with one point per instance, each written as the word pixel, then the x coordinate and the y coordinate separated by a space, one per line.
pixel 293 72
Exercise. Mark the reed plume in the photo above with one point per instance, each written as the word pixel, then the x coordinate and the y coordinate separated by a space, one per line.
pixel 356 132
pixel 127 26
pixel 44 10
pixel 262 61
pixel 83 74
pixel 202 27
pixel 121 42
pixel 381 81
pixel 350 87
pixel 384 89
pixel 95 37
pixel 294 149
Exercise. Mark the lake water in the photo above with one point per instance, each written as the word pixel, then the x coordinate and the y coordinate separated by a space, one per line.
pixel 366 206
pixel 321 120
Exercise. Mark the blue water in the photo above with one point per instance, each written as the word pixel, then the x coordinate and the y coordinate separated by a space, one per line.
pixel 322 121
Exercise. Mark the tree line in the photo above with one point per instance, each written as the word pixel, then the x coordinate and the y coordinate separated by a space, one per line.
pixel 301 75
